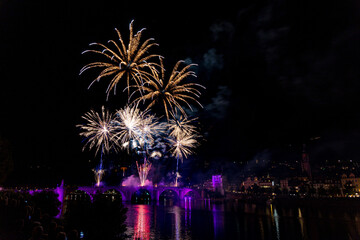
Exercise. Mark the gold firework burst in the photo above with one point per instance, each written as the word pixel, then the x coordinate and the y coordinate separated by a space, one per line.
pixel 171 93
pixel 130 62
pixel 182 147
pixel 98 130
pixel 180 126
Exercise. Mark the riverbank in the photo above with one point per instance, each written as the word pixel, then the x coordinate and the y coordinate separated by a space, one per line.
pixel 297 201
pixel 317 202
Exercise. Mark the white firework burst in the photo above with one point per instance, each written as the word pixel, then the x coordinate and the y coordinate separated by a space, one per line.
pixel 98 130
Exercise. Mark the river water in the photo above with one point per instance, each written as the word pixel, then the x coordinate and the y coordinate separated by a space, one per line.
pixel 205 220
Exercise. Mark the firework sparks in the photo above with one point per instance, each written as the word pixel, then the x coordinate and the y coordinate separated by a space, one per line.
pixel 172 93
pixel 143 170
pixel 182 147
pixel 181 126
pixel 136 127
pixel 130 62
pixel 132 128
pixel 127 122
pixel 149 128
pixel 156 154
pixel 98 130
pixel 136 130
pixel 98 176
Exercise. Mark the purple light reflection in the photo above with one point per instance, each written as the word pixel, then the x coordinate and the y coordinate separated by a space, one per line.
pixel 60 191
pixel 187 207
pixel 218 221
pixel 32 192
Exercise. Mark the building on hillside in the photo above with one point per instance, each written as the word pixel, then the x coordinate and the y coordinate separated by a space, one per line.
pixel 331 185
pixel 249 182
pixel 350 180
pixel 266 182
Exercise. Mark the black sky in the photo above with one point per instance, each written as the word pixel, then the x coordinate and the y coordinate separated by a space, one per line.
pixel 277 73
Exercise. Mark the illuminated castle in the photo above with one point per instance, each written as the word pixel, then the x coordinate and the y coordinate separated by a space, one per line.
pixel 217 184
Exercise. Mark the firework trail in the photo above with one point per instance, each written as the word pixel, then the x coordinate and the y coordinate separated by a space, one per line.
pixel 182 147
pixel 143 170
pixel 98 132
pixel 98 174
pixel 148 129
pixel 182 138
pixel 135 129
pixel 131 62
pixel 171 93
pixel 132 128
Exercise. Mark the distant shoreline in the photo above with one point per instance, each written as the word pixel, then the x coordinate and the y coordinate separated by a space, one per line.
pixel 318 202
pixel 302 202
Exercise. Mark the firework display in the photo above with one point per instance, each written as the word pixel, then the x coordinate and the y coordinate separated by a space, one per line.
pixel 181 126
pixel 182 142
pixel 182 146
pixel 171 93
pixel 130 62
pixel 98 174
pixel 143 170
pixel 98 130
pixel 135 130
pixel 128 121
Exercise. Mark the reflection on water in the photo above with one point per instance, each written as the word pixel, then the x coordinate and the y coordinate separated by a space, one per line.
pixel 177 212
pixel 191 219
pixel 275 220
pixel 187 206
pixel 218 216
pixel 302 224
pixel 142 222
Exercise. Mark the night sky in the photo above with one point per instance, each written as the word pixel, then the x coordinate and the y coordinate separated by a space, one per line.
pixel 277 74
